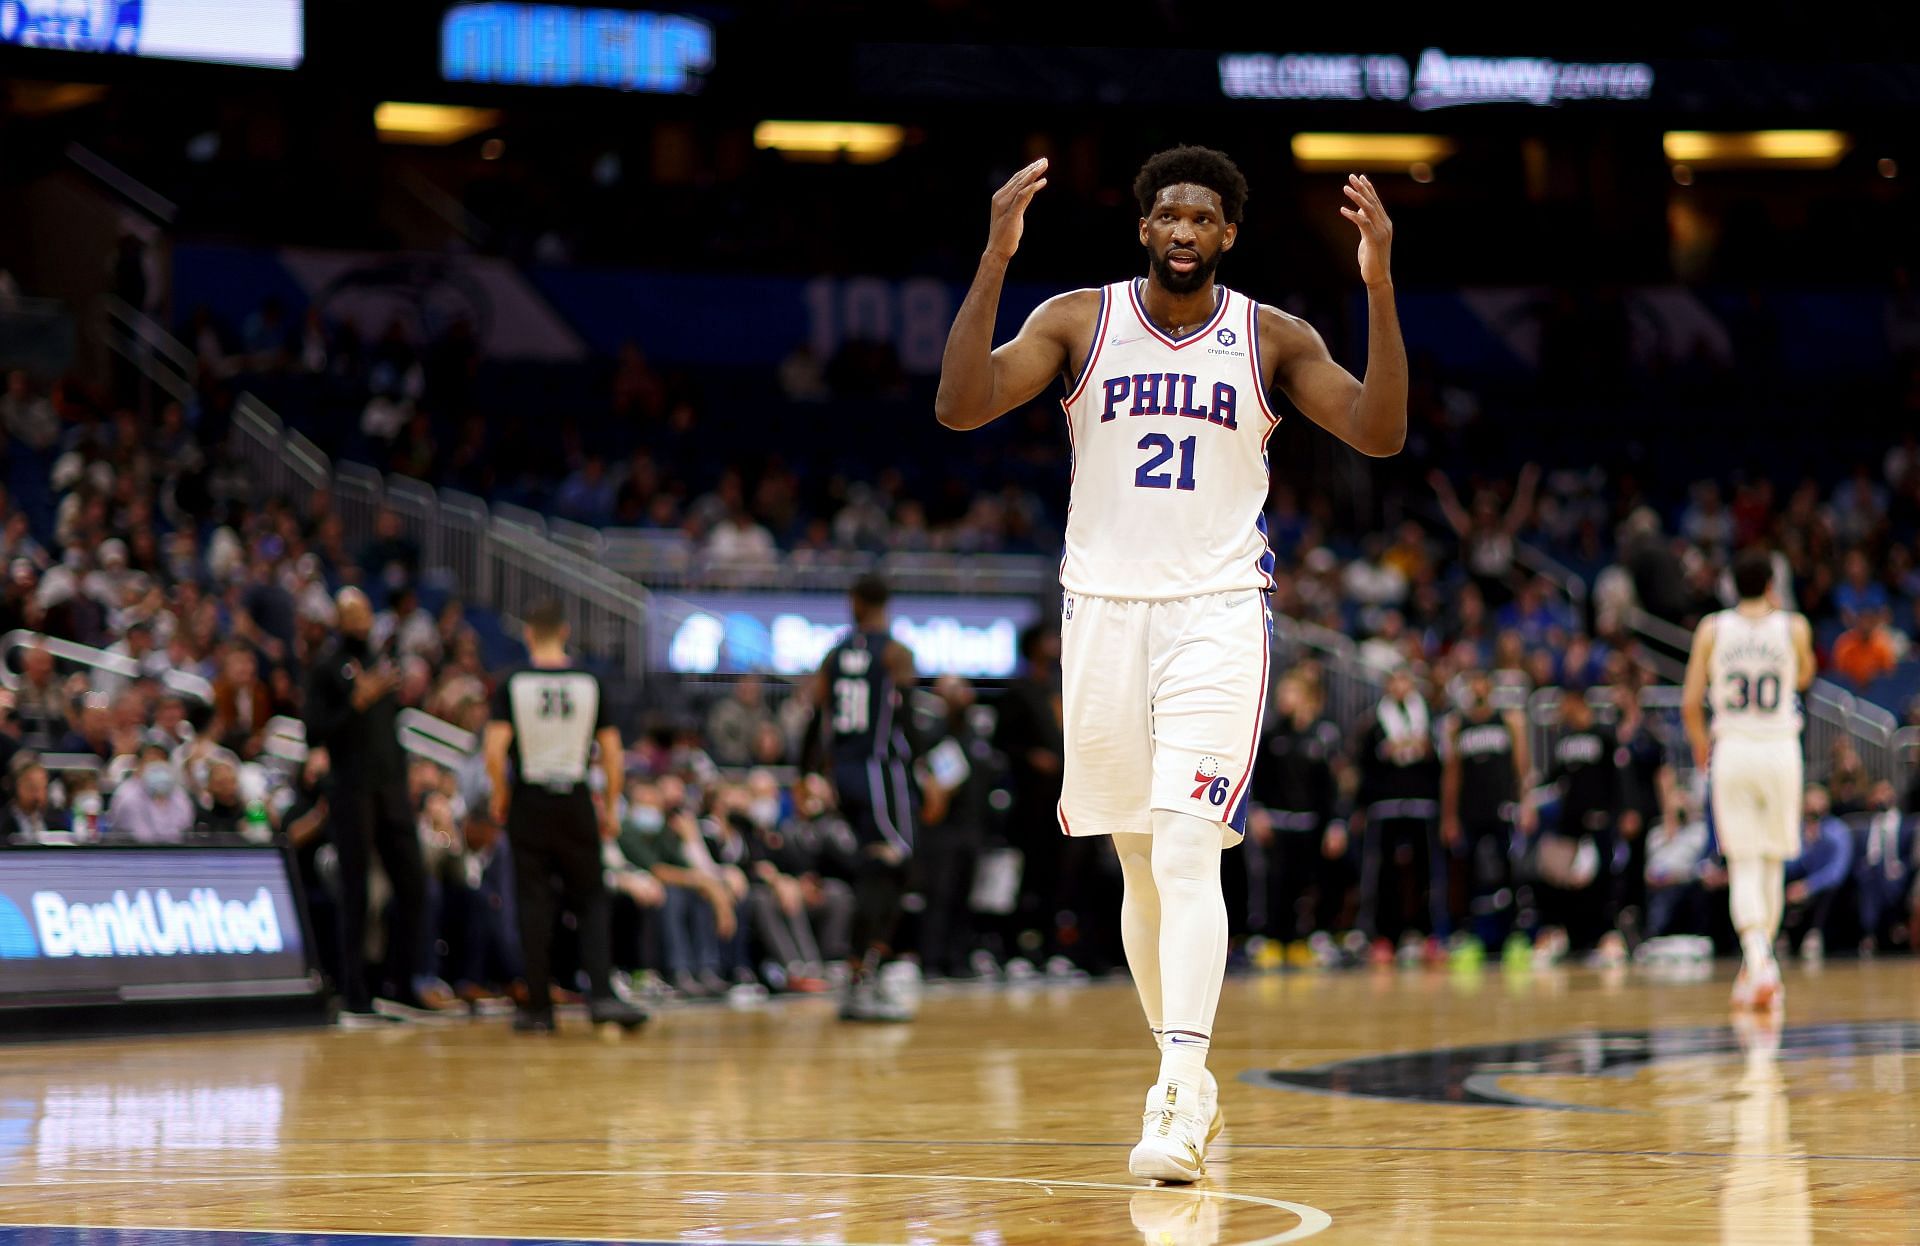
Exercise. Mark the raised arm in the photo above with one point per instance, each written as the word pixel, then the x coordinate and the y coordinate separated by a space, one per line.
pixel 1369 415
pixel 1524 492
pixel 1456 514
pixel 1693 695
pixel 979 384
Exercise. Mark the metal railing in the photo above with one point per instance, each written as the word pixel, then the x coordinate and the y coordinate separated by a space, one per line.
pixel 1352 687
pixel 1831 713
pixel 495 557
pixel 278 459
pixel 1541 563
pixel 75 654
pixel 156 355
pixel 672 560
pixel 421 735
pixel 1663 641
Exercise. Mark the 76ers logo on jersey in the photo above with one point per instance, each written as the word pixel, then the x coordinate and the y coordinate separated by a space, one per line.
pixel 1208 783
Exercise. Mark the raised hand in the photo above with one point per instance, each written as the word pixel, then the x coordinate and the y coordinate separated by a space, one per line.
pixel 1369 216
pixel 1010 208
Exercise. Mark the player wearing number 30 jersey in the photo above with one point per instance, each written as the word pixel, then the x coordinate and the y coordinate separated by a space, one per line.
pixel 1750 664
pixel 1165 633
pixel 858 691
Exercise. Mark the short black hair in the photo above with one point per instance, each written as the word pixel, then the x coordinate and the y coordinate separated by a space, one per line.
pixel 1752 573
pixel 546 619
pixel 1201 166
pixel 870 592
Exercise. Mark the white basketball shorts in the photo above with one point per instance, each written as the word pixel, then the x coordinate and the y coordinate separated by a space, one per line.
pixel 1757 796
pixel 1162 702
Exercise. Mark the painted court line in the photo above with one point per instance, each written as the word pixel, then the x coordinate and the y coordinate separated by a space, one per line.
pixel 1312 1219
pixel 1226 1148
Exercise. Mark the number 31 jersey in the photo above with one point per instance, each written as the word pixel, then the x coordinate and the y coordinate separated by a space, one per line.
pixel 1754 673
pixel 1169 456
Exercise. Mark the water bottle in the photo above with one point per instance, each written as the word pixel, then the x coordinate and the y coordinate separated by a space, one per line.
pixel 255 828
pixel 86 817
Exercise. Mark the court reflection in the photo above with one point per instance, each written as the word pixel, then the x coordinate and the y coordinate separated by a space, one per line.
pixel 90 1111
pixel 1763 1193
pixel 1170 1217
pixel 81 1121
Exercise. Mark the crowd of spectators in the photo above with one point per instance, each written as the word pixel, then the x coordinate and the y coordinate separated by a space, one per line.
pixel 633 445
pixel 143 543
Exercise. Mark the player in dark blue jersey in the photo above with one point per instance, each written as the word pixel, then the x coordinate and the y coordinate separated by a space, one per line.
pixel 858 692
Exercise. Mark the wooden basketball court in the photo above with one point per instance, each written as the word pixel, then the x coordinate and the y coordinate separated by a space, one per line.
pixel 1364 1108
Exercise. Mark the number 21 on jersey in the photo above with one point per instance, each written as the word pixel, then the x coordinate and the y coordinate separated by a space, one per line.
pixel 1149 476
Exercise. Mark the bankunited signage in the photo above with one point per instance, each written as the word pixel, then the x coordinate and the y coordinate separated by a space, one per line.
pixel 150 923
pixel 1436 80
pixel 126 923
pixel 790 633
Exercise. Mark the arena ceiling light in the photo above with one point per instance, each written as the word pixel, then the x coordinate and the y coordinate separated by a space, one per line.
pixel 1754 149
pixel 432 125
pixel 1347 153
pixel 859 142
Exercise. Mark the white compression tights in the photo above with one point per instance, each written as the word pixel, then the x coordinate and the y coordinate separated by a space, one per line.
pixel 1756 892
pixel 1173 923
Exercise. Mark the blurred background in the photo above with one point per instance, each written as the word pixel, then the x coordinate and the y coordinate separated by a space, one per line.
pixel 472 304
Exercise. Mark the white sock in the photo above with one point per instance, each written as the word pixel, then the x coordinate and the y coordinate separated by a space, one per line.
pixel 1140 924
pixel 1193 939
pixel 1183 1057
pixel 1752 885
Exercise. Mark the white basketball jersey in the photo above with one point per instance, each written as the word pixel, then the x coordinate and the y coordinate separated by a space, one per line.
pixel 1169 456
pixel 1754 676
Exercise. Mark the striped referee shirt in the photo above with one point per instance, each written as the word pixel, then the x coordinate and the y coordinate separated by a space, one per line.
pixel 556 712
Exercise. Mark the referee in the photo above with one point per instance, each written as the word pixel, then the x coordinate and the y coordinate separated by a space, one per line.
pixel 547 716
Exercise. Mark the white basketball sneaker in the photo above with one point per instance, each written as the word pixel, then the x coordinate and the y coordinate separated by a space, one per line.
pixel 1210 1107
pixel 1174 1133
pixel 1759 991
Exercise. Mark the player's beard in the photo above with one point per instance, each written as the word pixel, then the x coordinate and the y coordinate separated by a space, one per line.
pixel 1173 281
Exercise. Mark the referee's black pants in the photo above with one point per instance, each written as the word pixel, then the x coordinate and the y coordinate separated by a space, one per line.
pixel 556 866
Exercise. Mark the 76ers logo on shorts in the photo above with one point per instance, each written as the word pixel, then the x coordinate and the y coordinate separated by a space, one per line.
pixel 1208 783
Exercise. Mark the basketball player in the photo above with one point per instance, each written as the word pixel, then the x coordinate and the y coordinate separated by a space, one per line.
pixel 1486 772
pixel 1747 663
pixel 1165 629
pixel 548 716
pixel 858 690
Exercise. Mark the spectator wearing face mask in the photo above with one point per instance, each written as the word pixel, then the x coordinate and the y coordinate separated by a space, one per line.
pixel 150 806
